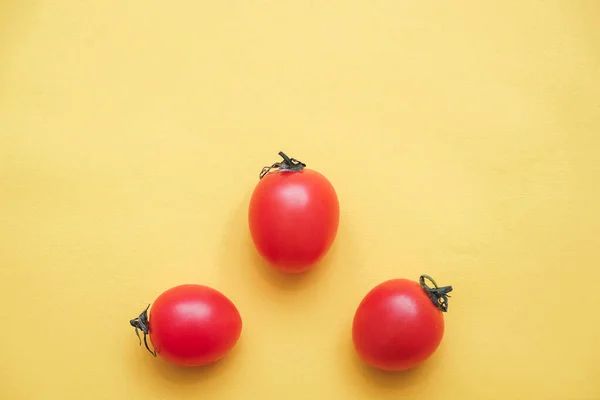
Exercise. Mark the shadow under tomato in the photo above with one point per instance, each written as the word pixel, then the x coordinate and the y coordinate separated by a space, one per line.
pixel 175 375
pixel 188 375
pixel 381 384
pixel 386 379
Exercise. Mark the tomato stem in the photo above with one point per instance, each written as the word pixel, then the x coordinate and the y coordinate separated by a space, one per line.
pixel 141 323
pixel 288 164
pixel 438 295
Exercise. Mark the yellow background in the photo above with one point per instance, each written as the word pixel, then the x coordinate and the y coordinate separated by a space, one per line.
pixel 462 138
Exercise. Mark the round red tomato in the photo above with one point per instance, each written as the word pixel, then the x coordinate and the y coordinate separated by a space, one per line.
pixel 190 325
pixel 399 323
pixel 293 215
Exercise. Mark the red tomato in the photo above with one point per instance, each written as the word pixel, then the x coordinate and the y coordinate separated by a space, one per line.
pixel 293 215
pixel 399 323
pixel 190 325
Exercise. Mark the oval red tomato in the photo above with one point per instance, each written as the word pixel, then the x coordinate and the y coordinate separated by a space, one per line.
pixel 293 215
pixel 399 323
pixel 190 325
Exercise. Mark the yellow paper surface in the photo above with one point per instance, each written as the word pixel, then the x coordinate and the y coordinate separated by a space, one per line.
pixel 463 139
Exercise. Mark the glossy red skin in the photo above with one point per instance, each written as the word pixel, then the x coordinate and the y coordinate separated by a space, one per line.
pixel 193 325
pixel 293 218
pixel 397 326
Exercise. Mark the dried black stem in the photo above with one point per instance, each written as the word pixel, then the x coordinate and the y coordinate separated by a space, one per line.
pixel 141 323
pixel 438 295
pixel 288 164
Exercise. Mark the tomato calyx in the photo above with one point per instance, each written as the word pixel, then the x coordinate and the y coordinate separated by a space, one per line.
pixel 141 323
pixel 437 295
pixel 288 164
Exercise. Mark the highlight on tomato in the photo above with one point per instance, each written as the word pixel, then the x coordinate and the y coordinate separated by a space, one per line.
pixel 293 215
pixel 400 323
pixel 190 325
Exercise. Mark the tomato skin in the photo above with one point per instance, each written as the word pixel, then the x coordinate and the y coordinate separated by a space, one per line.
pixel 293 218
pixel 397 326
pixel 193 325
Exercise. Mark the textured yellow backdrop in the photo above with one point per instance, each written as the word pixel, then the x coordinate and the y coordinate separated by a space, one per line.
pixel 462 138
